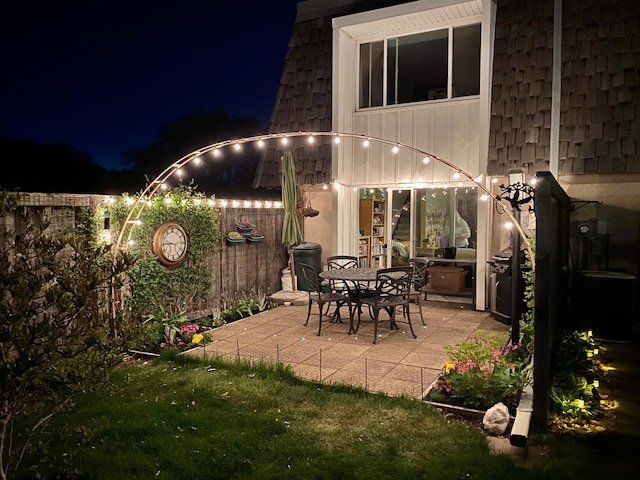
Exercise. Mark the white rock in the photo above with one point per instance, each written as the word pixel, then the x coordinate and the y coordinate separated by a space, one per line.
pixel 496 419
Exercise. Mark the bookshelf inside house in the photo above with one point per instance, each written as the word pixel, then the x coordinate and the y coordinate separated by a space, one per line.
pixel 372 226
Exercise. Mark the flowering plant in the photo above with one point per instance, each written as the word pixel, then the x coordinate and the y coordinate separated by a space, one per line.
pixel 482 372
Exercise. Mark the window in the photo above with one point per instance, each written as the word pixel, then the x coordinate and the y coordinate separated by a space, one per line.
pixel 416 67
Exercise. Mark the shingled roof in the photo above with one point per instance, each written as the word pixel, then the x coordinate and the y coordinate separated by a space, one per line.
pixel 600 92
pixel 303 102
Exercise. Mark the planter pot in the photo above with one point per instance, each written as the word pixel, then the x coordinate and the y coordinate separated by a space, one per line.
pixel 245 228
pixel 234 241
pixel 255 239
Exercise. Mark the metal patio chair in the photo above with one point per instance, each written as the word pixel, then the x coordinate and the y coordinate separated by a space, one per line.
pixel 393 286
pixel 419 280
pixel 317 295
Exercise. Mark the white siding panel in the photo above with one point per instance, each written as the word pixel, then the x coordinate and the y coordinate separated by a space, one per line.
pixel 406 166
pixel 449 130
pixel 442 134
pixel 390 132
pixel 359 155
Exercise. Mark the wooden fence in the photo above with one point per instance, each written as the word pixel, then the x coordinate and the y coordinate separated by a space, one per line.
pixel 236 268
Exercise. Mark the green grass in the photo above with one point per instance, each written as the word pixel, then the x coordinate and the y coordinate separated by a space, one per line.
pixel 183 418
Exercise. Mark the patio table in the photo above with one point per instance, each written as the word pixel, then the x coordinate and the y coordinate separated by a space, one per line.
pixel 355 279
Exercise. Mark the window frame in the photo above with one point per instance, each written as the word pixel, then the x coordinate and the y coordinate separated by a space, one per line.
pixel 385 41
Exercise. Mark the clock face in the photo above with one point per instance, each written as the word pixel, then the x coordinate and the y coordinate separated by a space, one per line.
pixel 170 243
pixel 584 229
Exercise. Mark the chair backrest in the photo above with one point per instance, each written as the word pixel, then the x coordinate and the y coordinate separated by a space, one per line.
pixel 341 261
pixel 311 277
pixel 394 282
pixel 419 265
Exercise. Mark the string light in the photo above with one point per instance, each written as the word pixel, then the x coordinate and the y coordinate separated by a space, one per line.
pixel 178 169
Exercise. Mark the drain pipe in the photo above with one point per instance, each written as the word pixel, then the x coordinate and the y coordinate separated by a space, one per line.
pixel 524 412
pixel 520 429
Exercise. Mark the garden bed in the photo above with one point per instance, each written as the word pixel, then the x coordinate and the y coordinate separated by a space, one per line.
pixel 480 373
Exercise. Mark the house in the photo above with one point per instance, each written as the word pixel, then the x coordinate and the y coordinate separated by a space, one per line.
pixel 499 89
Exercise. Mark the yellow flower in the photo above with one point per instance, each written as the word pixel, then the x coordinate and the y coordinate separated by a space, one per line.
pixel 197 338
pixel 448 366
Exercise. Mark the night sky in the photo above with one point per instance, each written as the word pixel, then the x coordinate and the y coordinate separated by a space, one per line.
pixel 105 76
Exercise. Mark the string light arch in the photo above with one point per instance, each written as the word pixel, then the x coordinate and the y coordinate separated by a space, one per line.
pixel 196 157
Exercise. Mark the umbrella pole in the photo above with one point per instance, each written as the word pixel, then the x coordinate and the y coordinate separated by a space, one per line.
pixel 291 269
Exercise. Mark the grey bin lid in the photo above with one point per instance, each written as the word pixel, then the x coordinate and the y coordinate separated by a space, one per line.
pixel 308 246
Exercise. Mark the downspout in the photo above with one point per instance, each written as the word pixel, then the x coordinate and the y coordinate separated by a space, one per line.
pixel 521 425
pixel 556 88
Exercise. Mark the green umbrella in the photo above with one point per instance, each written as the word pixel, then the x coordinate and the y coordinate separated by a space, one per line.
pixel 291 234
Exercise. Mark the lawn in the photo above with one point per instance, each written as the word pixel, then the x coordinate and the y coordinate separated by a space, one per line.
pixel 187 418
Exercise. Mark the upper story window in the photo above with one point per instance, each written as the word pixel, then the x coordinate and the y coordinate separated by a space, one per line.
pixel 416 68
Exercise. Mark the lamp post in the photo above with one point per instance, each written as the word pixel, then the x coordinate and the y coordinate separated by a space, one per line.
pixel 517 194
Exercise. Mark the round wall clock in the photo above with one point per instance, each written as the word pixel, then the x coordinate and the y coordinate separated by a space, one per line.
pixel 170 243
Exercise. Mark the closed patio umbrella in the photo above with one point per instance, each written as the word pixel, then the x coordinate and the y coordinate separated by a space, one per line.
pixel 291 234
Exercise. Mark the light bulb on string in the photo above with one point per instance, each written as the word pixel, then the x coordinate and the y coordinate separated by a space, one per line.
pixel 336 140
pixel 365 144
pixel 426 160
pixel 260 143
pixel 237 147
pixel 395 149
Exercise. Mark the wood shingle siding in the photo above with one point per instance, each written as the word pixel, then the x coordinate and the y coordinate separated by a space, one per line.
pixel 303 101
pixel 600 102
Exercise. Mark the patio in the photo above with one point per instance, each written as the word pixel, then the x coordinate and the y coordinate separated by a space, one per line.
pixel 397 364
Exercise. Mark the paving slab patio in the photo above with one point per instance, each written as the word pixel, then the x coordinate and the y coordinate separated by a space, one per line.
pixel 397 364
